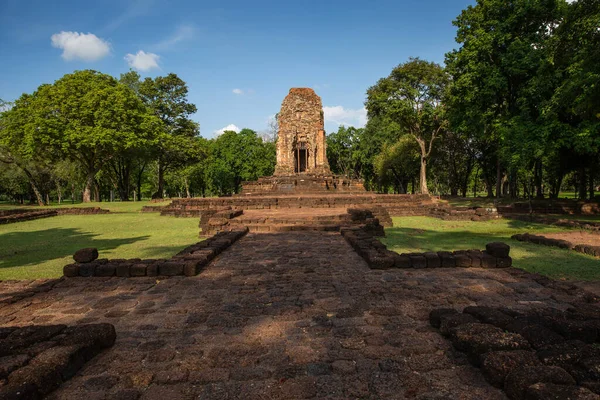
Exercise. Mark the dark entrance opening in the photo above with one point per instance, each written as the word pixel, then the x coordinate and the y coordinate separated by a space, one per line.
pixel 301 158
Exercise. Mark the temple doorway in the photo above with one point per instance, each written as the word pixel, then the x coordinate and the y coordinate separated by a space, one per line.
pixel 301 158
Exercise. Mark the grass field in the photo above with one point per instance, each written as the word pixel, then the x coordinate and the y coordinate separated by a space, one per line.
pixel 40 248
pixel 419 234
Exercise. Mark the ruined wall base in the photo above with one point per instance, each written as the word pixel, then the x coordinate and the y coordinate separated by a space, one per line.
pixel 301 184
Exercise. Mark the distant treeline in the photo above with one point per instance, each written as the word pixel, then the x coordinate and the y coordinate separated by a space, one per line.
pixel 515 111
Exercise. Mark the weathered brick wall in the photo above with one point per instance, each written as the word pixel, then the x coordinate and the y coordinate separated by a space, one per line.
pixel 301 121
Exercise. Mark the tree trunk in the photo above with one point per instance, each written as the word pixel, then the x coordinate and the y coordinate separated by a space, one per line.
pixel 423 176
pixel 591 183
pixel 187 188
pixel 539 191
pixel 36 192
pixel 96 192
pixel 139 181
pixel 87 190
pixel 498 179
pixel 582 184
pixel 58 191
pixel 161 182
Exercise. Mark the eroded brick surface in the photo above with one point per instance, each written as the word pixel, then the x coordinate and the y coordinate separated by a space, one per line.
pixel 289 315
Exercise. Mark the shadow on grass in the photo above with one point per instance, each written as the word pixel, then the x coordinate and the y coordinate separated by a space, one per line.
pixel 34 247
pixel 550 261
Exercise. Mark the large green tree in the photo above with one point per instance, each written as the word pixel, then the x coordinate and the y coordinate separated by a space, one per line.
pixel 166 96
pixel 500 73
pixel 238 157
pixel 85 116
pixel 412 97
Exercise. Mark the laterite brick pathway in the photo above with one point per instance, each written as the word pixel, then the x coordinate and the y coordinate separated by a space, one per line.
pixel 277 316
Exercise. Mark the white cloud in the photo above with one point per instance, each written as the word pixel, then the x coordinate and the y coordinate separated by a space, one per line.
pixel 238 91
pixel 346 116
pixel 82 46
pixel 230 127
pixel 142 61
pixel 183 32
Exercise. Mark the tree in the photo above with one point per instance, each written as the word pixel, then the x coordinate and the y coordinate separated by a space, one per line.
pixel 85 116
pixel 166 96
pixel 412 96
pixel 494 95
pixel 342 151
pixel 398 164
pixel 239 157
pixel 19 147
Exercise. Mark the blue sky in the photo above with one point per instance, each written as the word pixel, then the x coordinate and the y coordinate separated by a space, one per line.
pixel 239 58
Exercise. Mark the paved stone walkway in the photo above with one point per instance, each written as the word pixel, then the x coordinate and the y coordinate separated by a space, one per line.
pixel 277 316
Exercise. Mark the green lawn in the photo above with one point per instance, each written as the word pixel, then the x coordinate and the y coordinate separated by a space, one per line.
pixel 40 248
pixel 419 234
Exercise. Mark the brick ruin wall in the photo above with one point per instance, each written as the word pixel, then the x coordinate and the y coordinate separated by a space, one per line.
pixel 301 126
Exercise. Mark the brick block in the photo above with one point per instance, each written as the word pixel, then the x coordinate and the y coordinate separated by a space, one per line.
pixel 138 270
pixel 86 270
pixel 401 261
pixel 152 269
pixel 504 262
pixel 106 270
pixel 123 270
pixel 418 261
pixel 463 260
pixel 488 261
pixel 497 249
pixel 447 259
pixel 71 270
pixel 433 260
pixel 170 268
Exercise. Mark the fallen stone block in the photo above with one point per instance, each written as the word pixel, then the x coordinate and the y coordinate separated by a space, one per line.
pixel 85 255
pixel 497 249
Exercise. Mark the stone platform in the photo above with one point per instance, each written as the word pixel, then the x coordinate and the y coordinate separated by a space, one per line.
pixel 294 315
pixel 302 184
pixel 397 205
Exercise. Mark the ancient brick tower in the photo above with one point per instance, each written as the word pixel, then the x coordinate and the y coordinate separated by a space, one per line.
pixel 301 143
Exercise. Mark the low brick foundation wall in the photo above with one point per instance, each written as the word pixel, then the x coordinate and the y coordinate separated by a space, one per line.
pixel 563 244
pixel 12 216
pixel 539 354
pixel 153 208
pixel 567 223
pixel 188 262
pixel 35 360
pixel 377 255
